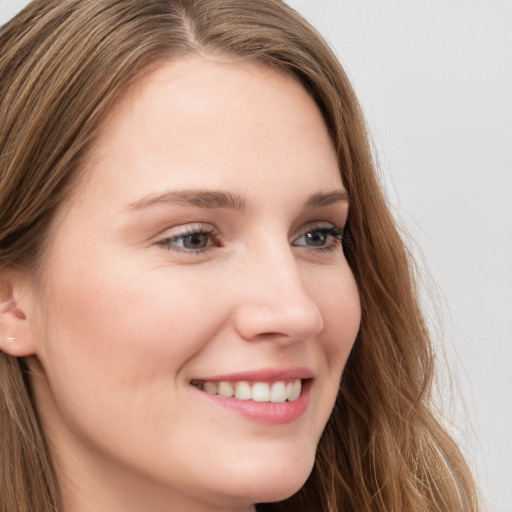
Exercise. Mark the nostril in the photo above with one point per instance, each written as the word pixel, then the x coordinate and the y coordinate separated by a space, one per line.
pixel 269 336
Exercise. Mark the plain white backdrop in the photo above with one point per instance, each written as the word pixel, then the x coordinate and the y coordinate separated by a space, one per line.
pixel 435 80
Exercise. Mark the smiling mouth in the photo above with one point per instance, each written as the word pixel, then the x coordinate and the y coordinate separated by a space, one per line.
pixel 276 392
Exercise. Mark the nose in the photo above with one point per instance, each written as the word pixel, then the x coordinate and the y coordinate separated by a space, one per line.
pixel 274 303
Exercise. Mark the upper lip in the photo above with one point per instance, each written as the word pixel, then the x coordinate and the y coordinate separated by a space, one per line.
pixel 264 375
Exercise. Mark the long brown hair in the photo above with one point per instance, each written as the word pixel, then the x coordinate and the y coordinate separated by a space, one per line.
pixel 63 63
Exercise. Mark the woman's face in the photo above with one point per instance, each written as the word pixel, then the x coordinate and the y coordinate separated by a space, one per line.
pixel 200 253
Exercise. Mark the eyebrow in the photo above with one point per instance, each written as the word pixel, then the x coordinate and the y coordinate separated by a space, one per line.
pixel 193 197
pixel 220 199
pixel 321 199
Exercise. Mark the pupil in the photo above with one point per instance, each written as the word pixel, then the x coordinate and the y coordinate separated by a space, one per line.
pixel 316 238
pixel 196 241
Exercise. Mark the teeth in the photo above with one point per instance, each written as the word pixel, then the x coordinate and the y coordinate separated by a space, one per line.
pixel 211 387
pixel 295 390
pixel 261 392
pixel 276 392
pixel 226 389
pixel 243 391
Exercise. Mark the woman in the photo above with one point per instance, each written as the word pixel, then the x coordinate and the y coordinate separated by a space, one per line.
pixel 191 318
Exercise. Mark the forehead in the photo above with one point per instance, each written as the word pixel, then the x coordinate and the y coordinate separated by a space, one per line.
pixel 213 121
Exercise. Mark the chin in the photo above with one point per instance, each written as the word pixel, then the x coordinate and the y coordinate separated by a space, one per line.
pixel 276 479
pixel 283 491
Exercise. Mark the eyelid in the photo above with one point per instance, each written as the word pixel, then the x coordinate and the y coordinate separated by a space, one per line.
pixel 318 225
pixel 185 229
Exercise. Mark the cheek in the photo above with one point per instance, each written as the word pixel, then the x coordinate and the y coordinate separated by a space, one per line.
pixel 115 348
pixel 338 300
pixel 337 297
pixel 116 323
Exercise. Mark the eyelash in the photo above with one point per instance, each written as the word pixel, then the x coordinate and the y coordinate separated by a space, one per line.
pixel 338 236
pixel 190 231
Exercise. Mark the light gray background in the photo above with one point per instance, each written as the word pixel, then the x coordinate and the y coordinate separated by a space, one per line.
pixel 435 80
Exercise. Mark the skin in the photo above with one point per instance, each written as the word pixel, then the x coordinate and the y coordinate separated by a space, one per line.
pixel 131 316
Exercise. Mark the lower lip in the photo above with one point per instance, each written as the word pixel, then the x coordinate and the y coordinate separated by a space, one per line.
pixel 271 413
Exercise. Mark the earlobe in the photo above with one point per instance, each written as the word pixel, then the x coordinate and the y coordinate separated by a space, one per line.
pixel 16 335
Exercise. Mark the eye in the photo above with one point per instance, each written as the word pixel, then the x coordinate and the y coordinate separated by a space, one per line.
pixel 322 237
pixel 194 240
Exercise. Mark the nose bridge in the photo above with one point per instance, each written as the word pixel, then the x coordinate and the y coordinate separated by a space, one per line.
pixel 275 300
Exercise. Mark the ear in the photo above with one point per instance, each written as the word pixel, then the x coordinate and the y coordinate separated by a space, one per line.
pixel 16 329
